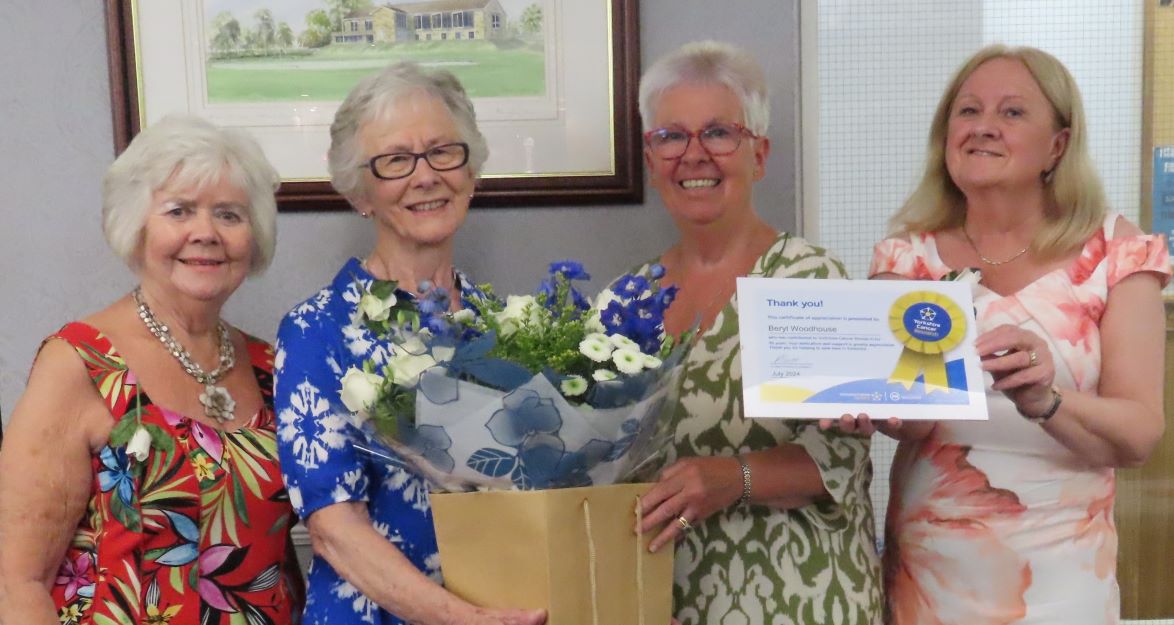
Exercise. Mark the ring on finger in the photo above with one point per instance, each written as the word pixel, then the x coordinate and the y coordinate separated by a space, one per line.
pixel 1032 358
pixel 686 526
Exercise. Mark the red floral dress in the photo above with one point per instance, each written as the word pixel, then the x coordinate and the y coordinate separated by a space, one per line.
pixel 994 522
pixel 193 536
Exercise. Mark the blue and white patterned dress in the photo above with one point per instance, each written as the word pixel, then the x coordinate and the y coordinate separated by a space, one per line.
pixel 316 343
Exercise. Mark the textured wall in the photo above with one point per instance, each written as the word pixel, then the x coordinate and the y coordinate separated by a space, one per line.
pixel 56 143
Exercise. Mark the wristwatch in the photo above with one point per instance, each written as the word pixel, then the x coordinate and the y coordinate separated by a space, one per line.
pixel 1056 399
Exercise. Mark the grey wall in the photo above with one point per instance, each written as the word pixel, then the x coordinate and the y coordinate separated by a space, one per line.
pixel 56 141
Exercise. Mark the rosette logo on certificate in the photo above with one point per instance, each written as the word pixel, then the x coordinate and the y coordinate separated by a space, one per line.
pixel 814 349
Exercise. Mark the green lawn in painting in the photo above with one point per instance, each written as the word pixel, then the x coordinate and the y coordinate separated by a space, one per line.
pixel 484 68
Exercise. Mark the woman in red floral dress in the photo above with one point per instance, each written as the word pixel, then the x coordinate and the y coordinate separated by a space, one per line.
pixel 115 509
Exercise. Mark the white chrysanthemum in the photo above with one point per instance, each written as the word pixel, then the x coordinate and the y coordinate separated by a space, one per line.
pixel 651 362
pixel 603 375
pixel 623 342
pixel 573 386
pixel 463 316
pixel 629 361
pixel 596 347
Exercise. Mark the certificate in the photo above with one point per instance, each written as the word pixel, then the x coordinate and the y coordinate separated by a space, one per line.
pixel 814 349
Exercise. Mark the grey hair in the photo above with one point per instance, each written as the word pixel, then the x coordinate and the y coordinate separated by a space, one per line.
pixel 709 62
pixel 375 97
pixel 184 150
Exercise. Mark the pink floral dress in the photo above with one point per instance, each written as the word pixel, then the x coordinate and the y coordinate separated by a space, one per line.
pixel 996 522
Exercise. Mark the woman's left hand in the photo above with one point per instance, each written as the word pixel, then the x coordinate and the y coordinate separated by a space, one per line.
pixel 1022 366
pixel 687 493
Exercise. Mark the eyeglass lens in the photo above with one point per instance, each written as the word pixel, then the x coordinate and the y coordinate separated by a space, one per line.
pixel 717 139
pixel 401 164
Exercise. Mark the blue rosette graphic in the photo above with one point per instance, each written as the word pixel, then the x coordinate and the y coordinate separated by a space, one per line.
pixel 927 325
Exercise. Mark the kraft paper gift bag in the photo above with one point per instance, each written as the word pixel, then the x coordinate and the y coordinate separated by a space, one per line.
pixel 572 551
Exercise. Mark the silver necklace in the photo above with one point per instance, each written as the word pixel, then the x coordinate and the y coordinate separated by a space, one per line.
pixel 217 402
pixel 993 263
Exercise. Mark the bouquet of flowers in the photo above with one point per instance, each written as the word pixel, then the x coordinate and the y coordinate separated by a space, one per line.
pixel 530 392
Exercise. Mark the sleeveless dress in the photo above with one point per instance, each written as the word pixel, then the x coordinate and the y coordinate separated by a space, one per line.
pixel 996 522
pixel 756 565
pixel 194 537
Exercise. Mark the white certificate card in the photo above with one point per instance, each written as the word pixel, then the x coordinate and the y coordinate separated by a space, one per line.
pixel 814 349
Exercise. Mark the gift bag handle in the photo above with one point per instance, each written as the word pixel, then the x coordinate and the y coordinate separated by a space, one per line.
pixel 591 565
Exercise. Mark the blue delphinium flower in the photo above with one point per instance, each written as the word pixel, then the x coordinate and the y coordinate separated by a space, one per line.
pixel 569 269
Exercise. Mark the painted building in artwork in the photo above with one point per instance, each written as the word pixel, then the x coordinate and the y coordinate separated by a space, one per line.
pixel 437 20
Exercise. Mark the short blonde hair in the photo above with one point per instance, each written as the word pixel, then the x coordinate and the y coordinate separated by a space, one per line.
pixel 186 150
pixel 375 97
pixel 709 62
pixel 1077 199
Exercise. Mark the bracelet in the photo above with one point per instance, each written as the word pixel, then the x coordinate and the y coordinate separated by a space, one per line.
pixel 745 498
pixel 1056 399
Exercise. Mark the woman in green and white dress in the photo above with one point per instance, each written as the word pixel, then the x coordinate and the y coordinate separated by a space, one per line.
pixel 771 518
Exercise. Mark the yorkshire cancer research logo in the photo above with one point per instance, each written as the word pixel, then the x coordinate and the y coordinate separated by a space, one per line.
pixel 927 325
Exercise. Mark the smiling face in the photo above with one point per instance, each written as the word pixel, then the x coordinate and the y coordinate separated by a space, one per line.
pixel 197 242
pixel 1002 130
pixel 699 188
pixel 427 206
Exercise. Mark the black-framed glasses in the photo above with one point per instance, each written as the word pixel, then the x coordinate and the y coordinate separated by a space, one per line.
pixel 401 164
pixel 716 139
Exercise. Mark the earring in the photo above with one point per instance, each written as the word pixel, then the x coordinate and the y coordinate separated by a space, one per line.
pixel 1047 175
pixel 363 214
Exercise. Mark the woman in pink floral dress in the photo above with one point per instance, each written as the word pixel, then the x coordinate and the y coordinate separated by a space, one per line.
pixel 1011 520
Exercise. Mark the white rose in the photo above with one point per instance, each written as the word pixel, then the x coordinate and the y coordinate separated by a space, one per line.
pixel 139 445
pixel 518 309
pixel 376 309
pixel 360 389
pixel 409 359
pixel 593 321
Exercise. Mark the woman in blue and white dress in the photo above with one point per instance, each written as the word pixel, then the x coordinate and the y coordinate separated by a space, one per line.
pixel 405 151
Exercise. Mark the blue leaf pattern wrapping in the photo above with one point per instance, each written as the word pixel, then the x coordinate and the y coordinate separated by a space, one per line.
pixel 317 342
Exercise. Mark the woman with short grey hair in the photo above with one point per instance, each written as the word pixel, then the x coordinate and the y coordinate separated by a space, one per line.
pixel 139 482
pixel 405 152
pixel 770 518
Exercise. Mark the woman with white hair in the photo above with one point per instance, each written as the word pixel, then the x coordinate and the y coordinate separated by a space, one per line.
pixel 139 482
pixel 405 152
pixel 773 516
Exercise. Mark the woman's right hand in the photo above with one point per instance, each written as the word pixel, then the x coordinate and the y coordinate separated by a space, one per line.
pixel 508 616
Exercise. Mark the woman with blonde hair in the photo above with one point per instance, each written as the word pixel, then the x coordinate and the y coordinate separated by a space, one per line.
pixel 1011 520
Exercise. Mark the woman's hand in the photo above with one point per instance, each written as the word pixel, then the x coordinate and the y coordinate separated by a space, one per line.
pixel 493 616
pixel 1022 366
pixel 691 489
pixel 863 425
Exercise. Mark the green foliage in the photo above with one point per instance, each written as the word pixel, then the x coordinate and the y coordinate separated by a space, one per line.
pixel 531 20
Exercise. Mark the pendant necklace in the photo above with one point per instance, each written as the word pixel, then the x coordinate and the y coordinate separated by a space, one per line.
pixel 218 403
pixel 993 263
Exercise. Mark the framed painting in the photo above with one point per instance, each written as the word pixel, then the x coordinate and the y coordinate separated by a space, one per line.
pixel 553 83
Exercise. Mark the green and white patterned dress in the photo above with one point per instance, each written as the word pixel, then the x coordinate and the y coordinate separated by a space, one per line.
pixel 752 565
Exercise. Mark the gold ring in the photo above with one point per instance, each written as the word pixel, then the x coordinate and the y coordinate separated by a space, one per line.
pixel 684 523
pixel 1032 359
